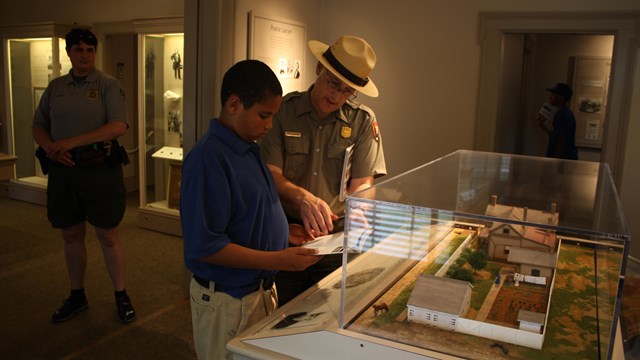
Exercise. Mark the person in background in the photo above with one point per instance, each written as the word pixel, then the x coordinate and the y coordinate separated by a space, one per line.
pixel 76 125
pixel 234 228
pixel 306 149
pixel 562 133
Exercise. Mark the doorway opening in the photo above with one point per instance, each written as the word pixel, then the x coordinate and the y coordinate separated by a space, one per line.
pixel 533 62
pixel 494 28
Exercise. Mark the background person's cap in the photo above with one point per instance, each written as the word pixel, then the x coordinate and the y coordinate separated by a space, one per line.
pixel 562 89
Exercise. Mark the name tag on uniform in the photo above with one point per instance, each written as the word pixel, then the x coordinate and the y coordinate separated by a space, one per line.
pixel 292 134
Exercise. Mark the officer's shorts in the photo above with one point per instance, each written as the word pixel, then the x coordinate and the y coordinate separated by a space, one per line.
pixel 94 194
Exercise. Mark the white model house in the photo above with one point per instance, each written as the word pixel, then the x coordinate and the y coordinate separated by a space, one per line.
pixel 531 321
pixel 500 238
pixel 439 301
pixel 533 262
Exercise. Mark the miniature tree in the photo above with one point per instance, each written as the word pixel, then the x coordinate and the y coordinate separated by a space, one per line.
pixel 452 268
pixel 477 260
pixel 460 273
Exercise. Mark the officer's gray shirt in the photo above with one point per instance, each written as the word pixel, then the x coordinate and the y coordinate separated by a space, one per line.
pixel 69 109
pixel 311 153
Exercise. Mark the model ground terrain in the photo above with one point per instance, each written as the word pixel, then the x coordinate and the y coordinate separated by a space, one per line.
pixel 573 327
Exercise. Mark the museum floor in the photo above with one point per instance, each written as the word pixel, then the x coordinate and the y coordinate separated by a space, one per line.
pixel 34 283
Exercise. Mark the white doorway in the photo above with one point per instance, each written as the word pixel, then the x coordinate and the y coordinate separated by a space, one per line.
pixel 494 28
pixel 533 62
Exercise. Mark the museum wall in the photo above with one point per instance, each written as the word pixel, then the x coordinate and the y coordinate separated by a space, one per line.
pixel 428 60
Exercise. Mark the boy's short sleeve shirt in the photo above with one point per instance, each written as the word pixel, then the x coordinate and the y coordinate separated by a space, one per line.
pixel 228 196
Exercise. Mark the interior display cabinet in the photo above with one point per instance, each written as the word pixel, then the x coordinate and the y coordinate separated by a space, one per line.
pixel 33 56
pixel 630 310
pixel 473 255
pixel 161 127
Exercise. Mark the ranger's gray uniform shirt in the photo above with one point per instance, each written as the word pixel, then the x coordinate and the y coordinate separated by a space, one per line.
pixel 311 153
pixel 68 109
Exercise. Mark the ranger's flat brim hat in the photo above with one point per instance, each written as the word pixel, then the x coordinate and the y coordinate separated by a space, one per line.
pixel 351 59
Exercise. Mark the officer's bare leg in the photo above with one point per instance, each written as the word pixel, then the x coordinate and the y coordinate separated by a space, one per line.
pixel 75 254
pixel 113 254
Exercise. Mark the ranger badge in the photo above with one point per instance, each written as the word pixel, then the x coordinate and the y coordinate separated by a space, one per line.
pixel 92 94
pixel 345 132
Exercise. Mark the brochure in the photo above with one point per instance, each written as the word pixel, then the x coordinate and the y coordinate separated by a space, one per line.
pixel 327 244
pixel 334 243
pixel 546 111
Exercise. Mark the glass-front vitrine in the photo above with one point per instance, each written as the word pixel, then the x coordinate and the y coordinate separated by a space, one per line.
pixel 34 55
pixel 630 310
pixel 473 255
pixel 161 128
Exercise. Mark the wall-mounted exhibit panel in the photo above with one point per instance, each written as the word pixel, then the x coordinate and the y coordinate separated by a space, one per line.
pixel 474 255
pixel 589 101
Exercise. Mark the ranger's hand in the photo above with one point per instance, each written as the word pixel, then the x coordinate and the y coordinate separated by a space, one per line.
pixel 317 216
pixel 298 235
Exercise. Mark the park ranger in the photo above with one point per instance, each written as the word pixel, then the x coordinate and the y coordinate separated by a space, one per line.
pixel 312 133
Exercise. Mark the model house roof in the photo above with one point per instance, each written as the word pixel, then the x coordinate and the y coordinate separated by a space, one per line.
pixel 527 232
pixel 532 257
pixel 440 294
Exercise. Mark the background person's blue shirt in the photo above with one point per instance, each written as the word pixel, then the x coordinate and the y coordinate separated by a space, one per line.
pixel 564 126
pixel 228 195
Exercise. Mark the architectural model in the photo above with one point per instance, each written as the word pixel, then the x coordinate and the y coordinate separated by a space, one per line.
pixel 530 251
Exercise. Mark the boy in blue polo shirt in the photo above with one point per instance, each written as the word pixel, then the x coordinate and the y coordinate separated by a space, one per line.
pixel 235 231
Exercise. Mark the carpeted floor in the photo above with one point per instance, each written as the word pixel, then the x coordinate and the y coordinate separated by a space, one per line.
pixel 33 283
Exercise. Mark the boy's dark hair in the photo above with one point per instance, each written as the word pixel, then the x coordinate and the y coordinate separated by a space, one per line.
pixel 252 81
pixel 76 35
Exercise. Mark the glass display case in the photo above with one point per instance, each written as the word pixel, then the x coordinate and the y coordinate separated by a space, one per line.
pixel 161 129
pixel 630 310
pixel 34 55
pixel 473 255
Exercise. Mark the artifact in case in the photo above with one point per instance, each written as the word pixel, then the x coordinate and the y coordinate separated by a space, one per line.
pixel 160 105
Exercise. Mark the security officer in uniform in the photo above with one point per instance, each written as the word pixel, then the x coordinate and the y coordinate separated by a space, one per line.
pixel 306 148
pixel 76 124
